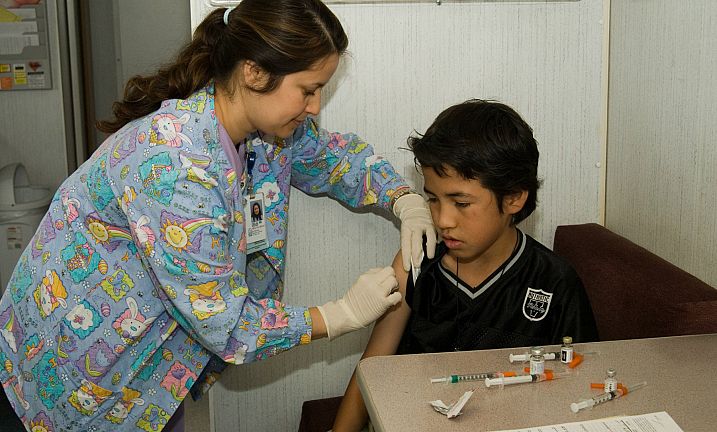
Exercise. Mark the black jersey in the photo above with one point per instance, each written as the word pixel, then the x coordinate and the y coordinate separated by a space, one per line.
pixel 535 298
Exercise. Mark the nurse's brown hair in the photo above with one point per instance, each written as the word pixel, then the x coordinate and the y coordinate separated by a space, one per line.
pixel 280 36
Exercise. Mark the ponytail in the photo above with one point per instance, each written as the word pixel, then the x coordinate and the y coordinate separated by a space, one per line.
pixel 191 71
pixel 280 36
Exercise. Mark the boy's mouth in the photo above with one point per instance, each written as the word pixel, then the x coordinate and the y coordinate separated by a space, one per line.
pixel 451 242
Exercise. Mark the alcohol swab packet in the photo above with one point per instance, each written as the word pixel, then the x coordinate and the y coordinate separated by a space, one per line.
pixel 454 409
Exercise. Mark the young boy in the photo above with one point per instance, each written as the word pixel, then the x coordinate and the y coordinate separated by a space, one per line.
pixel 489 285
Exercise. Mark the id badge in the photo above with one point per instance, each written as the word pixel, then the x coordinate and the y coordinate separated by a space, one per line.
pixel 255 224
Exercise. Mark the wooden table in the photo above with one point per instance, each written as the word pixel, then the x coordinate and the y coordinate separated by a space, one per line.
pixel 680 373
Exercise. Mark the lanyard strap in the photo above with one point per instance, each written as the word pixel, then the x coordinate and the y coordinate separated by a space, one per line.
pixel 250 160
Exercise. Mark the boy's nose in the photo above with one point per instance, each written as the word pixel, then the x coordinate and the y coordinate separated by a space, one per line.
pixel 444 220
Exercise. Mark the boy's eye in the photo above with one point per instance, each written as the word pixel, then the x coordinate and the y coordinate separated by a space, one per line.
pixel 462 204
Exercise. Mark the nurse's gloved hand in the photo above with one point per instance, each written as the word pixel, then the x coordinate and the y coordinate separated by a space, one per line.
pixel 369 298
pixel 416 222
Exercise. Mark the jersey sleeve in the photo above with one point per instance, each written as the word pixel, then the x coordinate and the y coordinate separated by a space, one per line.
pixel 181 214
pixel 576 318
pixel 343 166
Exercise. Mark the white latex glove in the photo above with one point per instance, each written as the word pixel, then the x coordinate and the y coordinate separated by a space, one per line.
pixel 365 302
pixel 416 221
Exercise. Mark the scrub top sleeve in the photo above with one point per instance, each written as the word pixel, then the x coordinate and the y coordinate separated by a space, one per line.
pixel 185 229
pixel 343 166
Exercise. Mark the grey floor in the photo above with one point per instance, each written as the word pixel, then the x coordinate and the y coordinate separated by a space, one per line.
pixel 196 414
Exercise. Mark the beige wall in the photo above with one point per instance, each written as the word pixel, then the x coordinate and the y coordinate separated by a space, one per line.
pixel 662 159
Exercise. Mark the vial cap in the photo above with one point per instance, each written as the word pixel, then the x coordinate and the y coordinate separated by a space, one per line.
pixel 536 351
pixel 567 340
pixel 611 372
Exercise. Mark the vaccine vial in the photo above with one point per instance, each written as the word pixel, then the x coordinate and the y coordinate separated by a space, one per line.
pixel 610 381
pixel 566 351
pixel 537 361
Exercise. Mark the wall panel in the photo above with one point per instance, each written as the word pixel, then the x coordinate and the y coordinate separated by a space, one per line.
pixel 662 162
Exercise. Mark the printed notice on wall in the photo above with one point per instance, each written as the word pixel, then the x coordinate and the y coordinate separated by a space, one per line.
pixel 14 237
pixel 24 51
pixel 653 422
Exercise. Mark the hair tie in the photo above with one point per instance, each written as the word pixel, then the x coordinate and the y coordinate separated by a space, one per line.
pixel 226 14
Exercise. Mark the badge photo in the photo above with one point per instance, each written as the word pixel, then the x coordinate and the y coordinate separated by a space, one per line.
pixel 255 224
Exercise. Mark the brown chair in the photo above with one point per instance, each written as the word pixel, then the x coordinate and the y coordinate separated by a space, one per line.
pixel 633 292
pixel 318 415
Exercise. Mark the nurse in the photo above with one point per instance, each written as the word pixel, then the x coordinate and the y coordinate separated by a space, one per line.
pixel 147 275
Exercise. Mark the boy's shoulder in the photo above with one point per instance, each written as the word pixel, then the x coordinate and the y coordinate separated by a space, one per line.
pixel 546 257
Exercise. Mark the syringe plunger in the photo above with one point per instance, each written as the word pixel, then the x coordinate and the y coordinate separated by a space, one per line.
pixel 577 406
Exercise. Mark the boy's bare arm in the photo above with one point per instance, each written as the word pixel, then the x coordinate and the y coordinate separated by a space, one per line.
pixel 386 335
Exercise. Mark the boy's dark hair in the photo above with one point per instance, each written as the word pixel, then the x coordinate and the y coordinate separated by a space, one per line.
pixel 485 141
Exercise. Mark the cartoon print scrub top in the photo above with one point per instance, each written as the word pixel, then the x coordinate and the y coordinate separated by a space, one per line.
pixel 138 274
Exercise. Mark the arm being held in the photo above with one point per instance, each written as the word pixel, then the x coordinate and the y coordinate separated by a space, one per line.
pixel 386 335
pixel 365 302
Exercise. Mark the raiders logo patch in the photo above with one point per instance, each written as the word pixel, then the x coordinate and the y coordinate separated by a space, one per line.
pixel 536 304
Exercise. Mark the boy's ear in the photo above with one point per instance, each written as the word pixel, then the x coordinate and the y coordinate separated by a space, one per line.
pixel 514 203
pixel 254 75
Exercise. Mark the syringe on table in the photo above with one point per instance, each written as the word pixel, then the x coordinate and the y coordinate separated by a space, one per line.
pixel 455 378
pixel 605 397
pixel 521 379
